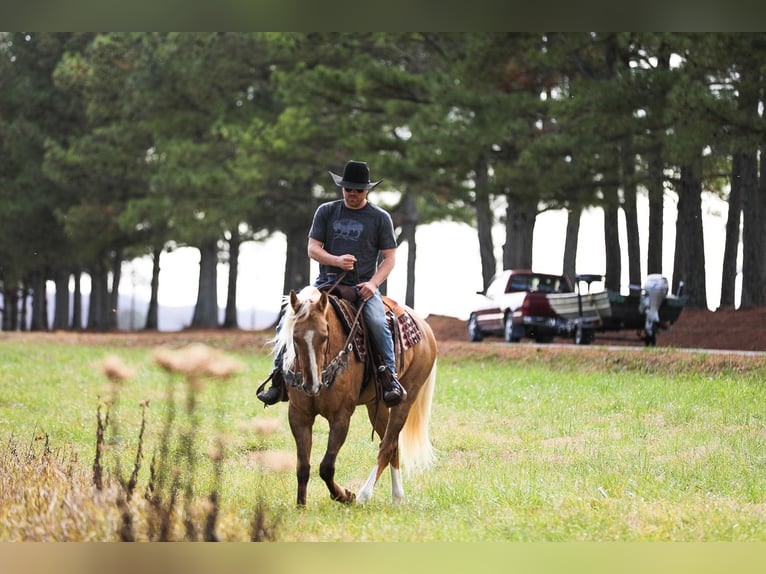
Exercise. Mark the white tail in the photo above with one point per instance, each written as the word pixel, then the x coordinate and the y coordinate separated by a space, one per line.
pixel 416 452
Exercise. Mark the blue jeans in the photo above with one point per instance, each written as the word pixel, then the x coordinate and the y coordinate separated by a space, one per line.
pixel 374 313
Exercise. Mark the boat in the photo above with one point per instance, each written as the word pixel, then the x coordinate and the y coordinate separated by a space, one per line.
pixel 583 313
pixel 648 309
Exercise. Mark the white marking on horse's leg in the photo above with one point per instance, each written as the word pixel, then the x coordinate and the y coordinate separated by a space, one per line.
pixel 397 487
pixel 309 338
pixel 365 493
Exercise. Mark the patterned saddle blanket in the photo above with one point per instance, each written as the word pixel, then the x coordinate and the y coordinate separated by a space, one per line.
pixel 404 329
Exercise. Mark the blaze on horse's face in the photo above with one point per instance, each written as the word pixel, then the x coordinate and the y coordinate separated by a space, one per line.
pixel 310 337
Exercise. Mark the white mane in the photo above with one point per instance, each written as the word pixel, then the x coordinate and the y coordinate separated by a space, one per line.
pixel 284 339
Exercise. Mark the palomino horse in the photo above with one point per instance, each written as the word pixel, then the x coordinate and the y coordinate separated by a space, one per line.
pixel 324 377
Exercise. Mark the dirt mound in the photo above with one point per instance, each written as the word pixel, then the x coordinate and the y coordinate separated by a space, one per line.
pixel 729 329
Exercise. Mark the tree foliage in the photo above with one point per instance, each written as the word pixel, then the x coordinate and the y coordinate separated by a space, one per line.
pixel 124 144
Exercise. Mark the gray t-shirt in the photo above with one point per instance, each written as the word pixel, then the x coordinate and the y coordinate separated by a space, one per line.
pixel 360 232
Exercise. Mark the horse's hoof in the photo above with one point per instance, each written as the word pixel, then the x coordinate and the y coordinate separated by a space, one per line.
pixel 347 498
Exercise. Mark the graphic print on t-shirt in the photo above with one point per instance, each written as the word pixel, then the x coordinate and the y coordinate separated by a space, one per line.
pixel 347 229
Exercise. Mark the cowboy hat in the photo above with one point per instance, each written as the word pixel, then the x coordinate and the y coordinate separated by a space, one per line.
pixel 356 175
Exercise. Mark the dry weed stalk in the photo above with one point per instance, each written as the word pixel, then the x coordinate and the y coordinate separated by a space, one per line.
pixel 197 363
pixel 102 422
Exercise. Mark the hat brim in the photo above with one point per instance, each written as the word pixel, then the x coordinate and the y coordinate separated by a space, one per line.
pixel 340 182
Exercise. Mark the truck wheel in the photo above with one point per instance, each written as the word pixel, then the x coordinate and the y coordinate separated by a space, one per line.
pixel 474 332
pixel 510 334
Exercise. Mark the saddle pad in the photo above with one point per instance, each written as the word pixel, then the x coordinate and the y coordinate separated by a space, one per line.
pixel 408 330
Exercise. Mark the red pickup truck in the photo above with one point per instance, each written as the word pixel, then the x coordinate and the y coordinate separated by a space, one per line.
pixel 514 306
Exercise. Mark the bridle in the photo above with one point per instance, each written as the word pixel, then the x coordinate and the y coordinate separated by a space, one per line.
pixel 338 363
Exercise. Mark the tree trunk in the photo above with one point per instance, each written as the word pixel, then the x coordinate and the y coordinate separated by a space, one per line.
pixel 230 316
pixel 39 319
pixel 98 305
pixel 519 234
pixel 689 260
pixel 748 102
pixel 612 244
pixel 206 309
pixel 631 220
pixel 751 243
pixel 61 309
pixel 484 221
pixel 656 216
pixel 77 300
pixel 152 313
pixel 570 242
pixel 4 311
pixel 409 227
pixel 731 247
pixel 657 165
pixel 761 223
pixel 11 308
pixel 114 294
pixel 297 263
pixel 22 323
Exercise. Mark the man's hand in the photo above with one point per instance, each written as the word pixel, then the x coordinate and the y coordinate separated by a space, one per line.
pixel 366 289
pixel 346 262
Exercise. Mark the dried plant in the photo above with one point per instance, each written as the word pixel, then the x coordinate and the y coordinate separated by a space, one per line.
pixel 173 467
pixel 46 496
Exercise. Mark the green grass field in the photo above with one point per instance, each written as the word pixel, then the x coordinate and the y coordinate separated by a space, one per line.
pixel 540 445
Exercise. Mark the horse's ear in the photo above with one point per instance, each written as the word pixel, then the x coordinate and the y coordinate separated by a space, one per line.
pixel 294 303
pixel 323 300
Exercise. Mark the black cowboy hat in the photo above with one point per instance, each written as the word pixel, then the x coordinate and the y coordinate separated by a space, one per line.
pixel 356 175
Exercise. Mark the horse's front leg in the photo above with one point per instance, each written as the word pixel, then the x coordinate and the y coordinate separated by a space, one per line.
pixel 301 426
pixel 338 433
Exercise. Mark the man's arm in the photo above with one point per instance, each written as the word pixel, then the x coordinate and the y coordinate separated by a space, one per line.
pixel 385 267
pixel 368 288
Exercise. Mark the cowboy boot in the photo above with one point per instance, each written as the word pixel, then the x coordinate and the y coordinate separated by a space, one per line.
pixel 393 391
pixel 276 392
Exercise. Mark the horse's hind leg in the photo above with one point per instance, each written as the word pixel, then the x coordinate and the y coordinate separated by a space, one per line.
pixel 338 433
pixel 379 419
pixel 388 451
pixel 397 486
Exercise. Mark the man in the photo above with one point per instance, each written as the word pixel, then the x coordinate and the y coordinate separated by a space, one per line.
pixel 349 236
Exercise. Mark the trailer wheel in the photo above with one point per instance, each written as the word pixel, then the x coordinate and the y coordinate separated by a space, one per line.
pixel 650 338
pixel 583 336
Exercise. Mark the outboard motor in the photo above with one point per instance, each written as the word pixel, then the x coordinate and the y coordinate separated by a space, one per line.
pixel 652 295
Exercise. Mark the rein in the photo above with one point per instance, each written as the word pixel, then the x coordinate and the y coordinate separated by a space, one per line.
pixel 338 363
